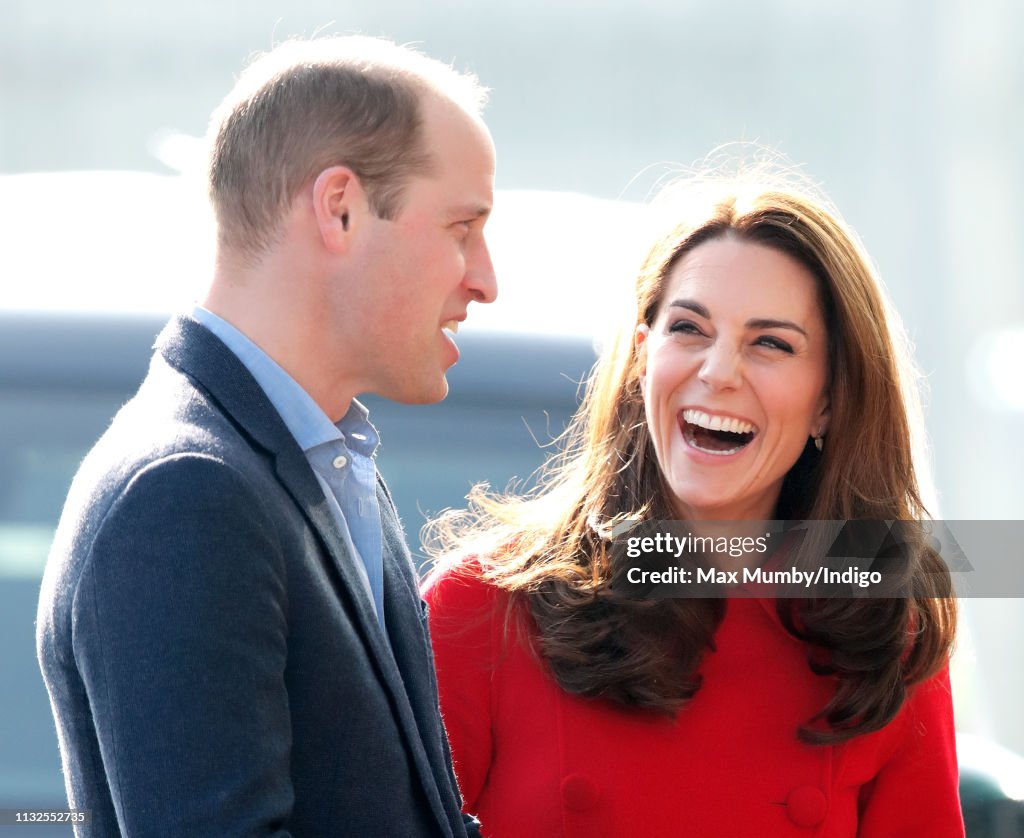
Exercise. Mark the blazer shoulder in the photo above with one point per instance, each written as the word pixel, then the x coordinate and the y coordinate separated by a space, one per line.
pixel 163 501
pixel 179 433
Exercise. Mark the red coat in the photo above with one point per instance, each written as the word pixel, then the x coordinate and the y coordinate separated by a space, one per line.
pixel 533 760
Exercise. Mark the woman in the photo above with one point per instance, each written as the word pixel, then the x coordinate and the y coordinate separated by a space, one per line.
pixel 758 380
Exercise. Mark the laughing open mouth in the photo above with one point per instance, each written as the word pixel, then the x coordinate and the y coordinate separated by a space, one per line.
pixel 716 434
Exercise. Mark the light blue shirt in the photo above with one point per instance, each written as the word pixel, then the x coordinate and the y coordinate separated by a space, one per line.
pixel 341 455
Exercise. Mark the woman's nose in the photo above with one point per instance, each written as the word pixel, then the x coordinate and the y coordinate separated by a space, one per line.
pixel 721 367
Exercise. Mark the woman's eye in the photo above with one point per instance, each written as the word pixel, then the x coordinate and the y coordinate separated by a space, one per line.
pixel 774 343
pixel 685 327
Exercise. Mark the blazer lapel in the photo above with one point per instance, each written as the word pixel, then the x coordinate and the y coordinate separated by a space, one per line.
pixel 402 664
pixel 297 477
pixel 404 619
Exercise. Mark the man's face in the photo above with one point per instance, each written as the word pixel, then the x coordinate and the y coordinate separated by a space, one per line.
pixel 425 266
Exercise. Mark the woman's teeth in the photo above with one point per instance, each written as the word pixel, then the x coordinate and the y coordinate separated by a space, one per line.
pixel 718 423
pixel 451 326
pixel 717 435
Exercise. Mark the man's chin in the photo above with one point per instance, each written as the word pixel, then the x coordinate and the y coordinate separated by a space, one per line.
pixel 421 394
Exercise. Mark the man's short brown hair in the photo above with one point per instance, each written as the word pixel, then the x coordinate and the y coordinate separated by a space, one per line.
pixel 310 104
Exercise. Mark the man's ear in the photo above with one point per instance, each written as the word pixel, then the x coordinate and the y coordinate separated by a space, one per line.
pixel 338 201
pixel 640 335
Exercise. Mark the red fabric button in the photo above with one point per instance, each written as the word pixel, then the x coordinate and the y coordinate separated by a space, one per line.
pixel 579 793
pixel 806 806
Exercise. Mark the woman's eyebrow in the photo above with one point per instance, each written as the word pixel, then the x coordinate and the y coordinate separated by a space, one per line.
pixel 693 306
pixel 771 323
pixel 754 323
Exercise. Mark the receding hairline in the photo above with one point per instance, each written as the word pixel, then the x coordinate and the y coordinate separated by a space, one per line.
pixel 375 56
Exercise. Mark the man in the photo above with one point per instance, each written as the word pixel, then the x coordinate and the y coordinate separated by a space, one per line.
pixel 229 625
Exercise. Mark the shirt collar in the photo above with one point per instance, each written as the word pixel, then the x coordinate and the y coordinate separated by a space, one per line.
pixel 359 434
pixel 301 414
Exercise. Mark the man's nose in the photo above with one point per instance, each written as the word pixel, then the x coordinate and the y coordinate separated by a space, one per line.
pixel 721 367
pixel 480 278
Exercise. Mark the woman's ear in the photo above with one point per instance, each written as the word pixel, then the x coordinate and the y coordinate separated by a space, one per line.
pixel 824 416
pixel 640 335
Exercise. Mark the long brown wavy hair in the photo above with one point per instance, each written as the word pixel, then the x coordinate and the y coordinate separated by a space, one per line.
pixel 550 548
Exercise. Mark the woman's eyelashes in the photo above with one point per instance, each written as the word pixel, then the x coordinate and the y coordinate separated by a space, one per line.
pixel 688 327
pixel 775 343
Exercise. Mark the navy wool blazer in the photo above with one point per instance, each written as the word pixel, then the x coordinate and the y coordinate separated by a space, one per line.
pixel 213 661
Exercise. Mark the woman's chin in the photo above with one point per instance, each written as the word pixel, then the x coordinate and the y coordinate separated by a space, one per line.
pixel 698 504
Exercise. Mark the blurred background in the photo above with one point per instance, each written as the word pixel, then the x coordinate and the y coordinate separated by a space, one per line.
pixel 908 114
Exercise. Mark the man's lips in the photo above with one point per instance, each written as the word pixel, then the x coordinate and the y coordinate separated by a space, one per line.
pixel 451 324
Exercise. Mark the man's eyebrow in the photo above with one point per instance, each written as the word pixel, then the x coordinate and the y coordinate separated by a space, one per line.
pixel 471 212
pixel 755 323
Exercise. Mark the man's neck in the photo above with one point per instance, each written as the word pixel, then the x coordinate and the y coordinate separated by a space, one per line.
pixel 289 338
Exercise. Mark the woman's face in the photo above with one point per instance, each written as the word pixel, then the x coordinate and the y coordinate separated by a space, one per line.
pixel 736 377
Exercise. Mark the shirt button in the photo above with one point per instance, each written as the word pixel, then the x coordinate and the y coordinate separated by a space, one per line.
pixel 340 462
pixel 360 437
pixel 806 806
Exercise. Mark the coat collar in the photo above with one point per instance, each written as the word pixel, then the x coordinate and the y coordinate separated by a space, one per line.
pixel 194 350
